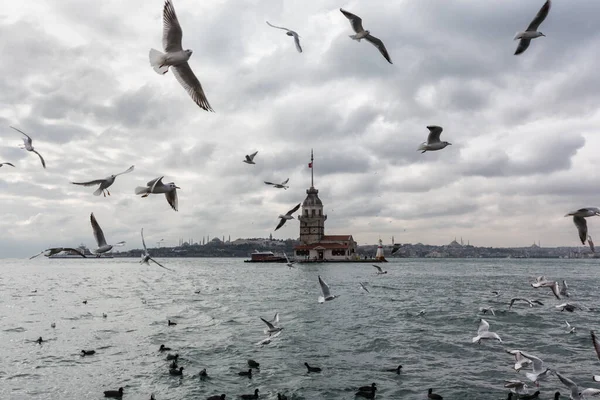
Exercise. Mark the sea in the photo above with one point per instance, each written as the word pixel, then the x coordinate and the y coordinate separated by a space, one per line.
pixel 422 315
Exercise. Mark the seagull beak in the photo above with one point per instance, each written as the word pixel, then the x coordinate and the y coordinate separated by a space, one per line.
pixel 450 144
pixel 177 187
pixel 541 34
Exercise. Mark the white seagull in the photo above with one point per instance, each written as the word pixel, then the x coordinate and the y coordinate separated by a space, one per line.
pixel 157 186
pixel 567 306
pixel 541 281
pixel 289 263
pixel 520 361
pixel 56 250
pixel 104 183
pixel 485 310
pixel 146 255
pixel 539 373
pixel 516 386
pixel 532 32
pixel 6 163
pixel 579 217
pixel 433 140
pixel 177 58
pixel 100 240
pixel 530 302
pixel 326 292
pixel 362 286
pixel 281 185
pixel 250 158
pixel 483 332
pixel 272 326
pixel 288 215
pixel 597 350
pixel 379 270
pixel 356 23
pixel 289 32
pixel 571 329
pixel 564 289
pixel 577 392
pixel 27 145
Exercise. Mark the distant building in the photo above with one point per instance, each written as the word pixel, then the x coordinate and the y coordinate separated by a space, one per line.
pixel 314 244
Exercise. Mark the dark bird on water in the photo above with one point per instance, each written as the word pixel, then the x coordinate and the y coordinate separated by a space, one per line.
pixel 250 396
pixel 433 396
pixel 312 369
pixel 114 394
pixel 172 323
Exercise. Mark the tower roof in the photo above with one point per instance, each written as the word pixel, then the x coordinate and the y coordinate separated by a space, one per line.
pixel 312 199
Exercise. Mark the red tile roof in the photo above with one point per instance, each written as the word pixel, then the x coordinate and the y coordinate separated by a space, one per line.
pixel 336 237
pixel 323 245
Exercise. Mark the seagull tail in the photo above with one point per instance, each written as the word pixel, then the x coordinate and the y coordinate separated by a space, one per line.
pixel 422 146
pixel 354 37
pixel 476 339
pixel 142 190
pixel 518 35
pixel 98 192
pixel 156 61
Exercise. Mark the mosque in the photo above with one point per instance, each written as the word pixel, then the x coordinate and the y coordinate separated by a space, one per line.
pixel 315 245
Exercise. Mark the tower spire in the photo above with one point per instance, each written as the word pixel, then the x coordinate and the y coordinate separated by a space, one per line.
pixel 312 169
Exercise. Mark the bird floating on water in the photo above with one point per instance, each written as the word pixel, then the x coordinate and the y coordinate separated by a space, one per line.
pixel 104 183
pixel 115 394
pixel 531 32
pixel 177 58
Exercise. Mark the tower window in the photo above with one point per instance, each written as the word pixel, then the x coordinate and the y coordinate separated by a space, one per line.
pixel 319 212
pixel 306 213
pixel 313 212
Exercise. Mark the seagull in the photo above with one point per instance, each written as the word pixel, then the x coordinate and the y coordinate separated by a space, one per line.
pixel 27 144
pixel 567 306
pixel 516 386
pixel 483 332
pixel 288 215
pixel 6 163
pixel 250 158
pixel 396 248
pixel 289 263
pixel 281 185
pixel 532 32
pixel 100 240
pixel 56 250
pixel 356 23
pixel 271 325
pixel 541 281
pixel 485 310
pixel 563 289
pixel 596 344
pixel 530 302
pixel 577 393
pixel 177 58
pixel 104 183
pixel 571 329
pixel 157 186
pixel 326 292
pixel 433 140
pixel 146 255
pixel 580 222
pixel 362 286
pixel 520 361
pixel 539 373
pixel 379 270
pixel 290 33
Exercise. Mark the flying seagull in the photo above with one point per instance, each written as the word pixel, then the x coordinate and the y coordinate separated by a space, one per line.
pixel 289 263
pixel 516 386
pixel 362 286
pixel 177 58
pixel 539 372
pixel 56 250
pixel 379 270
pixel 250 158
pixel 532 32
pixel 100 240
pixel 577 392
pixel 580 222
pixel 27 144
pixel 104 183
pixel 157 186
pixel 541 281
pixel 6 163
pixel 596 344
pixel 326 292
pixel 530 302
pixel 146 255
pixel 288 215
pixel 356 23
pixel 483 332
pixel 520 361
pixel 272 327
pixel 433 140
pixel 281 185
pixel 571 328
pixel 290 33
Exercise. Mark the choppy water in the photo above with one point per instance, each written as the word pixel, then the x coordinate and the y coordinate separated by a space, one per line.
pixel 353 338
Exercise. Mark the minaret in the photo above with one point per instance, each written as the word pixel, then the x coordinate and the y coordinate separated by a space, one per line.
pixel 312 220
pixel 379 255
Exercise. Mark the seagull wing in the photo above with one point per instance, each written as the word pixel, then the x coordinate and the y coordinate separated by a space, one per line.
pixel 185 76
pixel 355 21
pixel 251 156
pixel 126 171
pixel 378 267
pixel 540 17
pixel 434 134
pixel 591 244
pixel 297 42
pixel 324 288
pixel 379 44
pixel 523 45
pixel 74 251
pixel 270 325
pixel 7 163
pixel 90 183
pixel 18 130
pixel 293 210
pixel 581 225
pixel 276 318
pixel 172 32
pixel 41 158
pixel 281 222
pixel 286 181
pixel 484 326
pixel 278 27
pixel 143 241
pixel 596 344
pixel 172 199
pixel 159 264
pixel 589 392
pixel 538 364
pixel 555 290
pixel 573 387
pixel 98 234
pixel 39 254
pixel 269 183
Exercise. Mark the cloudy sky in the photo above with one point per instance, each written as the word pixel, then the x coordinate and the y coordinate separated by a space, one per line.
pixel 524 129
